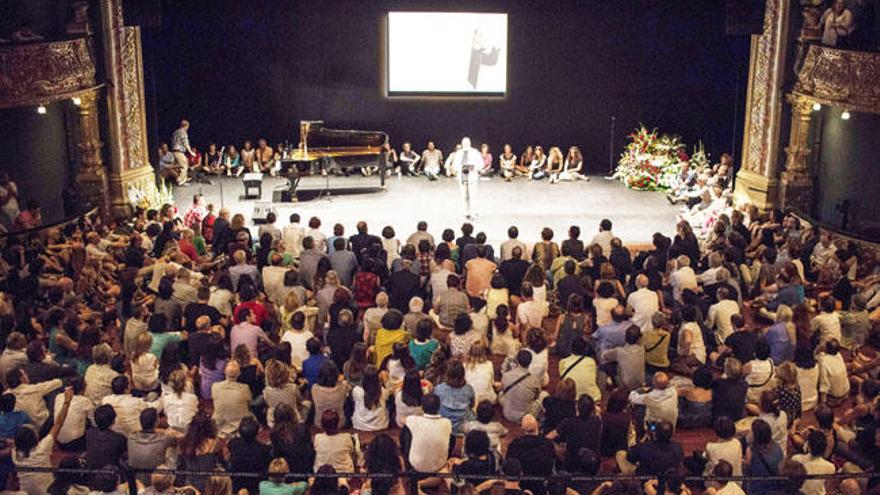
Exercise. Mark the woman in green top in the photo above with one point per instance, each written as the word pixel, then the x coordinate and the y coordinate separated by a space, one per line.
pixel 158 327
pixel 275 485
pixel 423 345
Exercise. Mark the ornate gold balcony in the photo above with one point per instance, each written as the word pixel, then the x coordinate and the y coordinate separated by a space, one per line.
pixel 841 78
pixel 39 73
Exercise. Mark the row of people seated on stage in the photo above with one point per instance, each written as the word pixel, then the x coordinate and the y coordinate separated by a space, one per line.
pixel 533 163
pixel 226 160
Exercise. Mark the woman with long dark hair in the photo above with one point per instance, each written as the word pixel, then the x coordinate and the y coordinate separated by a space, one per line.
pixel 212 365
pixel 369 399
pixel 763 457
pixel 292 440
pixel 354 368
pixel 328 393
pixel 199 449
pixel 408 400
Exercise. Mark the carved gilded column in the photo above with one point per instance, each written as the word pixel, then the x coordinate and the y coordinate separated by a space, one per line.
pixel 757 180
pixel 91 177
pixel 129 160
pixel 797 188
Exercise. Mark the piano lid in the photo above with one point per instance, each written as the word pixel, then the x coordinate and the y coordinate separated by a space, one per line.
pixel 314 136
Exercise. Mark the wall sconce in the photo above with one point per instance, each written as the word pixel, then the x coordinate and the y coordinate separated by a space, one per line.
pixel 76 100
pixel 845 115
pixel 41 110
pixel 817 106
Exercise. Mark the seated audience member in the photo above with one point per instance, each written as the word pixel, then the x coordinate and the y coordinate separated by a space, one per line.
pixel 128 407
pixel 630 360
pixel 655 456
pixel 578 433
pixel 520 390
pixel 535 453
pixel 430 437
pixel 660 400
pixel 232 401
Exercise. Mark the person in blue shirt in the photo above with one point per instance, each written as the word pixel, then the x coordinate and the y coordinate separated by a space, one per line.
pixel 311 367
pixel 10 419
pixel 612 335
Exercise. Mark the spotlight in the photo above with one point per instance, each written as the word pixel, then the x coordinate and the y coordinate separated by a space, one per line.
pixel 817 107
pixel 845 115
pixel 78 101
pixel 41 110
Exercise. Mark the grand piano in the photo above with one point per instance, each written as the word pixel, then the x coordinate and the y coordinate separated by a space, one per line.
pixel 326 151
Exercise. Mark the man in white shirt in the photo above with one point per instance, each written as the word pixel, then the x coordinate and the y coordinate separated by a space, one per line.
pixel 604 237
pixel 29 397
pixel 643 303
pixel 833 379
pixel 814 463
pixel 823 252
pixel 431 435
pixel 80 413
pixel 661 401
pixel 827 322
pixel 720 313
pixel 682 278
pixel 292 234
pixel 128 408
pixel 512 242
pixel 13 355
pixel 297 337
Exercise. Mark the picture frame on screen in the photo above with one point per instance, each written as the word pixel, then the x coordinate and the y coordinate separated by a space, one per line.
pixel 466 51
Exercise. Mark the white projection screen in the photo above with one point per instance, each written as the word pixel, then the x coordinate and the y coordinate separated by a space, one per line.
pixel 447 53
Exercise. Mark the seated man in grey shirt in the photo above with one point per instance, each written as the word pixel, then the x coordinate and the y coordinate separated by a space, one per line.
pixel 146 448
pixel 520 391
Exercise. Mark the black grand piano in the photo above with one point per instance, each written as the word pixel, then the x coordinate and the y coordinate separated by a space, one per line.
pixel 328 151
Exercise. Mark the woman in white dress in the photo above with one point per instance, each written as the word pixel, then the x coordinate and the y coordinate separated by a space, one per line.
pixel 574 165
pixel 479 373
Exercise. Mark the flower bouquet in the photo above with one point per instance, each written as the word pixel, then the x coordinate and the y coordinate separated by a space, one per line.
pixel 149 196
pixel 651 161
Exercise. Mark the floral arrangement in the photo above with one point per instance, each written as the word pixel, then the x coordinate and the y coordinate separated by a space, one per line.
pixel 149 196
pixel 652 161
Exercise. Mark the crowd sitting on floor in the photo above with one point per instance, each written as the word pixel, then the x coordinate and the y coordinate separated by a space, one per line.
pixel 181 161
pixel 184 341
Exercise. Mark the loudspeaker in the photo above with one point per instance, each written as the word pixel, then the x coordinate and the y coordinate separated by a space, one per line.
pixel 144 13
pixel 744 16
pixel 260 212
pixel 253 185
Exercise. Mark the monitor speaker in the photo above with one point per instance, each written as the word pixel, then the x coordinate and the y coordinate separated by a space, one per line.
pixel 260 212
pixel 744 16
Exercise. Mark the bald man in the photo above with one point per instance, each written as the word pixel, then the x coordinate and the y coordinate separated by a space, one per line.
pixel 660 401
pixel 232 401
pixel 643 303
pixel 536 453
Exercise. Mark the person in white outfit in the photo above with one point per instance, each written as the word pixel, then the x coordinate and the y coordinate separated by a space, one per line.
pixel 465 163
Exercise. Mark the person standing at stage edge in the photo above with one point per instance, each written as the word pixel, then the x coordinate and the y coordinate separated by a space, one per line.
pixel 180 149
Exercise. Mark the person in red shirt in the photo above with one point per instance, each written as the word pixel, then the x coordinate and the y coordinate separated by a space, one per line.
pixel 30 218
pixel 185 245
pixel 249 300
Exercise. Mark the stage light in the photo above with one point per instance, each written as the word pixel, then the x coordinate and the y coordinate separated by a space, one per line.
pixel 845 115
pixel 76 100
pixel 41 110
pixel 817 107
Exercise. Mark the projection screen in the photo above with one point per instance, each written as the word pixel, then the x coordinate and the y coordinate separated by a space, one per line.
pixel 448 53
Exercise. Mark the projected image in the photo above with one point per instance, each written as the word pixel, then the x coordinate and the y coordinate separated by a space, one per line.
pixel 434 52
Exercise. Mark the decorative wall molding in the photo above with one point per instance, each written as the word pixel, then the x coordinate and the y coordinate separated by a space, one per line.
pixel 39 73
pixel 841 78
pixel 132 96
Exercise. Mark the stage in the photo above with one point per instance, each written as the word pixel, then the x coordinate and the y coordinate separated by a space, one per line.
pixel 530 205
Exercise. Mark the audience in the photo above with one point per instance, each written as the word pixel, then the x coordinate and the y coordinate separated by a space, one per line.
pixel 175 359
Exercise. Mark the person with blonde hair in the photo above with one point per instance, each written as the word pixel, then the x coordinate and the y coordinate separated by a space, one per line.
pixel 275 485
pixel 144 365
pixel 179 405
pixel 555 164
pixel 218 484
pixel 479 373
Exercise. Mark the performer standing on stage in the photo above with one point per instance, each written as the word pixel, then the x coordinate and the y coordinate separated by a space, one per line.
pixel 467 162
pixel 180 149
